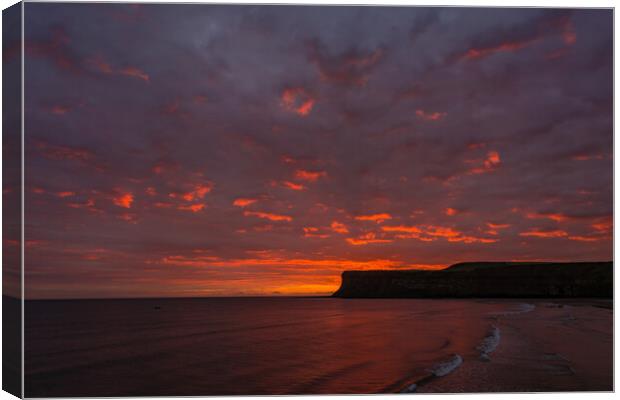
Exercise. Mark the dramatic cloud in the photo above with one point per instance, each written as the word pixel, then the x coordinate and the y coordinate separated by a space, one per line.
pixel 198 150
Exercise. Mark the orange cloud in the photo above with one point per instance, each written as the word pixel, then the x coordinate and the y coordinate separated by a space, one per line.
pixel 123 200
pixel 310 176
pixel 192 207
pixel 339 228
pixel 273 260
pixel 490 164
pixel 378 218
pixel 471 239
pixel 544 233
pixel 450 212
pixel 497 226
pixel 586 238
pixel 445 232
pixel 401 228
pixel 552 216
pixel 244 202
pixel 297 100
pixel 199 191
pixel 368 238
pixel 65 194
pixel 430 116
pixel 293 186
pixel 603 226
pixel 428 233
pixel 311 231
pixel 269 216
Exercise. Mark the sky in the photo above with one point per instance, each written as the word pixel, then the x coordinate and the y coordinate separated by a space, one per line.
pixel 201 150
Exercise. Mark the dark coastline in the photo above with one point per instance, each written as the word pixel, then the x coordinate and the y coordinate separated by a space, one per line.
pixel 484 280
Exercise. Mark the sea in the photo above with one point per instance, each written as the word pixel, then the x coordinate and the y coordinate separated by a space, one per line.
pixel 248 346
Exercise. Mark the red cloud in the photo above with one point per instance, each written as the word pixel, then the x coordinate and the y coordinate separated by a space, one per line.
pixel 552 216
pixel 269 216
pixel 99 64
pixel 135 73
pixel 544 233
pixel 199 191
pixel 483 52
pixel 339 228
pixel 293 186
pixel 243 202
pixel 297 100
pixel 313 232
pixel 497 226
pixel 368 238
pixel 450 212
pixel 192 207
pixel 310 176
pixel 65 194
pixel 430 116
pixel 429 233
pixel 491 163
pixel 123 200
pixel 87 205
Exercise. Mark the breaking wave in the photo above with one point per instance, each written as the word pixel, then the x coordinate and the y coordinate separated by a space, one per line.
pixel 438 370
pixel 489 343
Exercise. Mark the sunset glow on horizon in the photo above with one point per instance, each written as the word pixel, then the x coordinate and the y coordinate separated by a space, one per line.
pixel 195 150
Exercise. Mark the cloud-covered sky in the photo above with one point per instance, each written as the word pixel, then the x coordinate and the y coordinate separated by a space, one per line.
pixel 200 150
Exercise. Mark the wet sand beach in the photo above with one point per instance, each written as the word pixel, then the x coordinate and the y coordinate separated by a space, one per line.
pixel 562 345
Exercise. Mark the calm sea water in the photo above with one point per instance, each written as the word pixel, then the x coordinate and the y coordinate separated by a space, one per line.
pixel 236 346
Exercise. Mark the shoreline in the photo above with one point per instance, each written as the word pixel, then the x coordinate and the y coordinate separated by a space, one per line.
pixel 525 355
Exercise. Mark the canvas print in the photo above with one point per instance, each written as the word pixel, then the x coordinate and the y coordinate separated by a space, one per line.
pixel 206 199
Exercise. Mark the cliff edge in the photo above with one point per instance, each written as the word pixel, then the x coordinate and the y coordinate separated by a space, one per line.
pixel 484 279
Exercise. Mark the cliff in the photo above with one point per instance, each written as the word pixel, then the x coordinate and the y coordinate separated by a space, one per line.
pixel 484 279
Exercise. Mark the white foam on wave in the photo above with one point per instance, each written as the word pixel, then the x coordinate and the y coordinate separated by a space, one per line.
pixel 445 367
pixel 489 343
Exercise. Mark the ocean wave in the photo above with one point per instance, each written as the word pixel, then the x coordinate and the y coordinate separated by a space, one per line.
pixel 445 367
pixel 440 369
pixel 489 343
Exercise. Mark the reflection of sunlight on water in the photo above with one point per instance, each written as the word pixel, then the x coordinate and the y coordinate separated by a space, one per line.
pixel 244 345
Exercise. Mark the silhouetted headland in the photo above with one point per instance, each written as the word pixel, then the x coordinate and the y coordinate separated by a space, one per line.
pixel 485 279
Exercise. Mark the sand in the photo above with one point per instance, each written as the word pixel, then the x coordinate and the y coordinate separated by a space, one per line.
pixel 563 345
